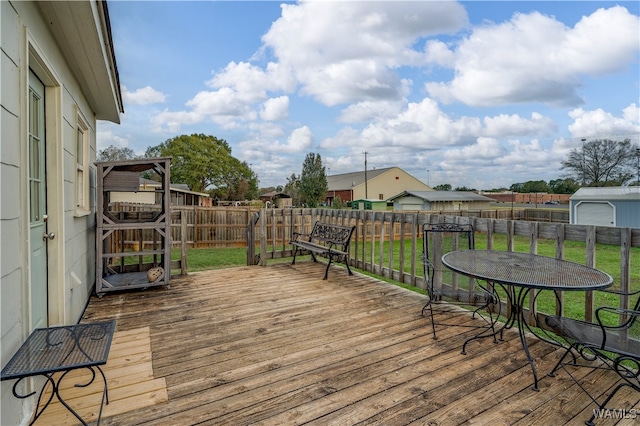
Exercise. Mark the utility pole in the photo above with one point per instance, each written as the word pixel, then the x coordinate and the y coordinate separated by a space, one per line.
pixel 638 158
pixel 583 164
pixel 366 191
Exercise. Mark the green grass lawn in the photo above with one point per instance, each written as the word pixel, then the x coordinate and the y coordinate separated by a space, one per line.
pixel 205 259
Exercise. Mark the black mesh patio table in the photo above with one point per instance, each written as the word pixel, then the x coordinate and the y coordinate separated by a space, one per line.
pixel 518 274
pixel 61 349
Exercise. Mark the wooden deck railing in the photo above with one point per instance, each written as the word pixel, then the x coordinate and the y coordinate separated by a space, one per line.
pixel 270 231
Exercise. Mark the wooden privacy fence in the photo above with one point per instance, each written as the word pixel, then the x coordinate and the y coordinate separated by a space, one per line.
pixel 200 227
pixel 271 230
pixel 209 227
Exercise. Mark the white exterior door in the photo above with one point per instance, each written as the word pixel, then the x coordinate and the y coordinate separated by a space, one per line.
pixel 37 204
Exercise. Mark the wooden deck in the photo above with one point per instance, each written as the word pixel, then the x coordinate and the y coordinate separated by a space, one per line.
pixel 277 345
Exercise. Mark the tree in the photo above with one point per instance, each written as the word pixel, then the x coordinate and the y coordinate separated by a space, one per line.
pixel 205 163
pixel 464 189
pixel 116 153
pixel 443 187
pixel 563 186
pixel 602 162
pixel 292 188
pixel 313 180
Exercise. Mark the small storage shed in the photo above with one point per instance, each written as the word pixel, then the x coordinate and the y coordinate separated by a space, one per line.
pixel 606 206
pixel 369 205
pixel 440 200
pixel 279 200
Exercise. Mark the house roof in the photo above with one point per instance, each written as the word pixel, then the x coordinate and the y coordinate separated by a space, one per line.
pixel 351 180
pixel 607 193
pixel 433 196
pixel 83 31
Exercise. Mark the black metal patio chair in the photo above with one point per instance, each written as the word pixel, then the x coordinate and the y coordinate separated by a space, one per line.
pixel 451 290
pixel 612 343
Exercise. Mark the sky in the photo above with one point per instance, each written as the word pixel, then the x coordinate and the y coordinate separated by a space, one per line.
pixel 480 94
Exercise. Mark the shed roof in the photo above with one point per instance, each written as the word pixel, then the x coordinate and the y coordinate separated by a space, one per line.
pixel 607 193
pixel 274 194
pixel 443 196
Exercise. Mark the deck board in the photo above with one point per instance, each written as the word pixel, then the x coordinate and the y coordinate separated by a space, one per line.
pixel 278 345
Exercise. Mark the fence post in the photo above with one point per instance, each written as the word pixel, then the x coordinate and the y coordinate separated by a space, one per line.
pixel 263 237
pixel 183 243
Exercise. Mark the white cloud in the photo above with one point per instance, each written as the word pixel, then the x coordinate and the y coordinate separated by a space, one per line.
pixel 250 82
pixel 422 126
pixel 483 149
pixel 505 125
pixel 267 130
pixel 632 113
pixel 370 111
pixel 144 96
pixel 345 137
pixel 601 124
pixel 224 106
pixel 168 121
pixel 233 102
pixel 299 140
pixel 438 52
pixel 346 51
pixel 275 109
pixel 106 138
pixel 535 58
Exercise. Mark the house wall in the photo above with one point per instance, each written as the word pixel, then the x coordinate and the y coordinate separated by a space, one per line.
pixel 388 184
pixel 410 203
pixel 628 214
pixel 623 213
pixel 345 195
pixel 26 42
pixel 415 203
pixel 141 197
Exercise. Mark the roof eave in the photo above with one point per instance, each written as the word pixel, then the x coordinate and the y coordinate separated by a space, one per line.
pixel 83 32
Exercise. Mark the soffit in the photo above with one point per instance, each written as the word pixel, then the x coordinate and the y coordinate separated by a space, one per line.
pixel 81 30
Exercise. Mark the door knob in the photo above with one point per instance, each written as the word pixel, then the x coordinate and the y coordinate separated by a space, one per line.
pixel 49 236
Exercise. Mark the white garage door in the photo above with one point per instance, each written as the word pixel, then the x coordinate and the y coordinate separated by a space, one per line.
pixel 595 213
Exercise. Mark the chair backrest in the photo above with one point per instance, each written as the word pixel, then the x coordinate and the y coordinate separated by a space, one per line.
pixel 623 336
pixel 439 239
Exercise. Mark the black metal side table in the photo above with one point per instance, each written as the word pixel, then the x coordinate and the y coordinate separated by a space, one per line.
pixel 61 349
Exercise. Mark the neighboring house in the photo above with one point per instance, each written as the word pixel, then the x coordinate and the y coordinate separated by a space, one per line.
pixel 180 195
pixel 606 206
pixel 276 199
pixel 58 77
pixel 440 200
pixel 376 184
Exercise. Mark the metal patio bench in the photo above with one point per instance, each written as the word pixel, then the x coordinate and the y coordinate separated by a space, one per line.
pixel 327 240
